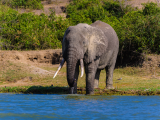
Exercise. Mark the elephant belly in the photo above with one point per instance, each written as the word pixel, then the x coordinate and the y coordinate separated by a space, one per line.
pixel 105 59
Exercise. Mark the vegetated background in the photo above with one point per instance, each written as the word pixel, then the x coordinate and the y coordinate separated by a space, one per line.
pixel 138 30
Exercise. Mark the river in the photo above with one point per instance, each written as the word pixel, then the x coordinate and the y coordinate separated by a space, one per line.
pixel 45 107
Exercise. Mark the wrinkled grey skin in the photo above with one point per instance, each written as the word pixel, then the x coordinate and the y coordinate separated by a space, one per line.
pixel 97 44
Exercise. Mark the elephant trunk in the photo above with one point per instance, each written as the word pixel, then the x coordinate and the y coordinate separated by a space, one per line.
pixel 71 66
pixel 71 69
pixel 73 62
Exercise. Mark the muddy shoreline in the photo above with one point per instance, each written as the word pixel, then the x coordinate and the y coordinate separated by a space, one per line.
pixel 64 90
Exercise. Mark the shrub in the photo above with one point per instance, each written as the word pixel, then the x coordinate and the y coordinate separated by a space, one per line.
pixel 29 32
pixel 85 11
pixel 114 8
pixel 150 9
pixel 32 4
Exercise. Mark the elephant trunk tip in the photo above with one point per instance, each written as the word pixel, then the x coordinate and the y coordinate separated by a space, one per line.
pixel 71 90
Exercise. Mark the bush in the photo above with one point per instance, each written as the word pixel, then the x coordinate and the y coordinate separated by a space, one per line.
pixel 114 8
pixel 85 11
pixel 29 32
pixel 150 9
pixel 32 4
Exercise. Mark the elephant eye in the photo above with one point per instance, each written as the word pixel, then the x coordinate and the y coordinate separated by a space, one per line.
pixel 84 43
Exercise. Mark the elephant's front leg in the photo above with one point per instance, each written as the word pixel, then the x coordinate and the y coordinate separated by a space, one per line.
pixel 91 69
pixel 96 81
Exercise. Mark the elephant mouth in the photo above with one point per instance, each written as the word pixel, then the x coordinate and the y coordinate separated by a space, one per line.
pixel 62 63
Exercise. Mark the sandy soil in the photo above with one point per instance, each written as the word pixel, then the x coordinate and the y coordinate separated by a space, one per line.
pixel 58 6
pixel 138 3
pixel 30 62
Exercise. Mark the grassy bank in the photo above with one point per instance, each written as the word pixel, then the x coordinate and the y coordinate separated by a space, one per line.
pixel 64 90
pixel 135 81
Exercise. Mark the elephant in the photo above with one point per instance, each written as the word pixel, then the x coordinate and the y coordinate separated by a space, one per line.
pixel 94 46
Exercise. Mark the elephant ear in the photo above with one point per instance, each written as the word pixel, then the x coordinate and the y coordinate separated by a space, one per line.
pixel 98 44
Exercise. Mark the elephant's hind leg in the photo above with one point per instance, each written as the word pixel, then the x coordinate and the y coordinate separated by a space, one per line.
pixel 109 77
pixel 109 71
pixel 96 80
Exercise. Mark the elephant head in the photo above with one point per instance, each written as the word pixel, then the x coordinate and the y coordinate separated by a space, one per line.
pixel 81 43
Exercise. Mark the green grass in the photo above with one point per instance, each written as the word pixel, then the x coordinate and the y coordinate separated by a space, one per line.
pixel 135 81
pixel 13 89
pixel 11 72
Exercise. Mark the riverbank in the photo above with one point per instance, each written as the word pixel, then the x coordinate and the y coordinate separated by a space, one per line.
pixel 64 90
pixel 31 72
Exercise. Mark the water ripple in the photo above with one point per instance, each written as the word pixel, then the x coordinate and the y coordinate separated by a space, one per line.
pixel 42 107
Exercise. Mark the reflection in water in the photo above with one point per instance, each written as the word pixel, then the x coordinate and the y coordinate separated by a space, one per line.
pixel 22 106
pixel 88 97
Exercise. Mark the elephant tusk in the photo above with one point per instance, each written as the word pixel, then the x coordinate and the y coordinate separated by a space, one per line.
pixel 82 67
pixel 60 66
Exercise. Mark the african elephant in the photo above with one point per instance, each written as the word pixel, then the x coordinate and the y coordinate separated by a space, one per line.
pixel 96 46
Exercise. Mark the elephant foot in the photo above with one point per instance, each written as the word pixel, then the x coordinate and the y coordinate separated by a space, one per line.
pixel 90 93
pixel 110 87
pixel 72 90
pixel 96 83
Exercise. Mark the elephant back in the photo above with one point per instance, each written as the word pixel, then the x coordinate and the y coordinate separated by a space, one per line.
pixel 109 32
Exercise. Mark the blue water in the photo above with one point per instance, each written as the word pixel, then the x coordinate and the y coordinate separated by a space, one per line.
pixel 43 107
